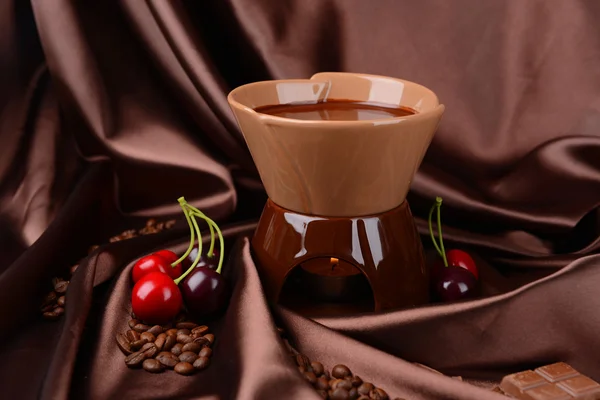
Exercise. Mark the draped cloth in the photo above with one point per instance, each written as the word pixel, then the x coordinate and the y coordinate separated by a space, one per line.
pixel 112 110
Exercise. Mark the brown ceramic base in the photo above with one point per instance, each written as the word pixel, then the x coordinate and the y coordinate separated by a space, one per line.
pixel 335 255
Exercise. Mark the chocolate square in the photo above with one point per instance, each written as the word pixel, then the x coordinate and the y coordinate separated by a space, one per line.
pixel 548 391
pixel 519 382
pixel 557 371
pixel 580 386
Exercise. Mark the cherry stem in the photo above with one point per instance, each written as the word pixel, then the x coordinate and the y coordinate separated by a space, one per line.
pixel 197 260
pixel 211 224
pixel 440 248
pixel 182 203
pixel 200 214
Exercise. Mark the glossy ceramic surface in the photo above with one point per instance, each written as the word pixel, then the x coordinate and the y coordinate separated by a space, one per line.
pixel 386 248
pixel 337 168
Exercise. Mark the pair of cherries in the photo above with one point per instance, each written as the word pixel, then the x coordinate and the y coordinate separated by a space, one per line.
pixel 161 288
pixel 454 276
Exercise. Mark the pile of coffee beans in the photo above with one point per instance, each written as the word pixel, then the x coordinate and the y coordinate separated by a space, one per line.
pixel 53 305
pixel 185 347
pixel 340 384
pixel 151 227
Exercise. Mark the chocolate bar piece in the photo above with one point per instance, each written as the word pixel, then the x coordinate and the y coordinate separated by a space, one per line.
pixel 557 381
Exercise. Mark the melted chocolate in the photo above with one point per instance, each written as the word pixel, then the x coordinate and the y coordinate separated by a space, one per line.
pixel 335 110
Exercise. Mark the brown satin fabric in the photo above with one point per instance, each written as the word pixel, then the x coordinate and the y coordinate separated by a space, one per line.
pixel 112 110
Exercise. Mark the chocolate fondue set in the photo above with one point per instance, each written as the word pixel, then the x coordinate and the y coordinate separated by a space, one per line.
pixel 337 154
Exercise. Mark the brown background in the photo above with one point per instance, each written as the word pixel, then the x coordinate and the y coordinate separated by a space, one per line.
pixel 109 111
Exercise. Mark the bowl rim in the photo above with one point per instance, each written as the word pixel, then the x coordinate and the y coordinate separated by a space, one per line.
pixel 433 112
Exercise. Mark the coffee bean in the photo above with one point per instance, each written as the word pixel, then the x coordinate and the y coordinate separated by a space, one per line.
pixel 132 335
pixel 177 349
pixel 135 359
pixel 323 394
pixel 50 299
pixel 363 397
pixel 311 377
pixel 200 330
pixel 170 341
pixel 205 352
pixel 302 369
pixel 160 341
pixel 302 360
pixel 322 383
pixel 149 349
pixel 340 383
pixel 188 356
pixel 365 388
pixel 317 368
pixel 148 336
pixel 353 393
pixel 133 322
pixel 378 394
pixel 141 328
pixel 61 301
pixel 166 327
pixel 73 269
pixel 128 234
pixel 156 330
pixel 186 325
pixel 59 311
pixel 203 342
pixel 150 222
pixel 152 365
pixel 193 347
pixel 138 344
pixel 340 371
pixel 169 224
pixel 340 394
pixel 210 337
pixel 172 331
pixel 61 287
pixel 183 332
pixel 50 315
pixel 184 368
pixel 123 344
pixel 147 346
pixel 49 307
pixel 167 359
pixel 201 363
pixel 183 338
pixel 356 381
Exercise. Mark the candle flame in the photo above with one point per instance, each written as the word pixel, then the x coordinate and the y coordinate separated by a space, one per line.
pixel 334 262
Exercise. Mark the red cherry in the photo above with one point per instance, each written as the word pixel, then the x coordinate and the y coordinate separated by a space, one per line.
pixel 147 264
pixel 459 258
pixel 205 260
pixel 206 292
pixel 156 299
pixel 454 283
pixel 174 272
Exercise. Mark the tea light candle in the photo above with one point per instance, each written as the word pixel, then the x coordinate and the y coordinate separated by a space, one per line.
pixel 331 279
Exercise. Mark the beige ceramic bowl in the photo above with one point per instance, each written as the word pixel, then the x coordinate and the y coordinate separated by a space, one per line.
pixel 337 168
